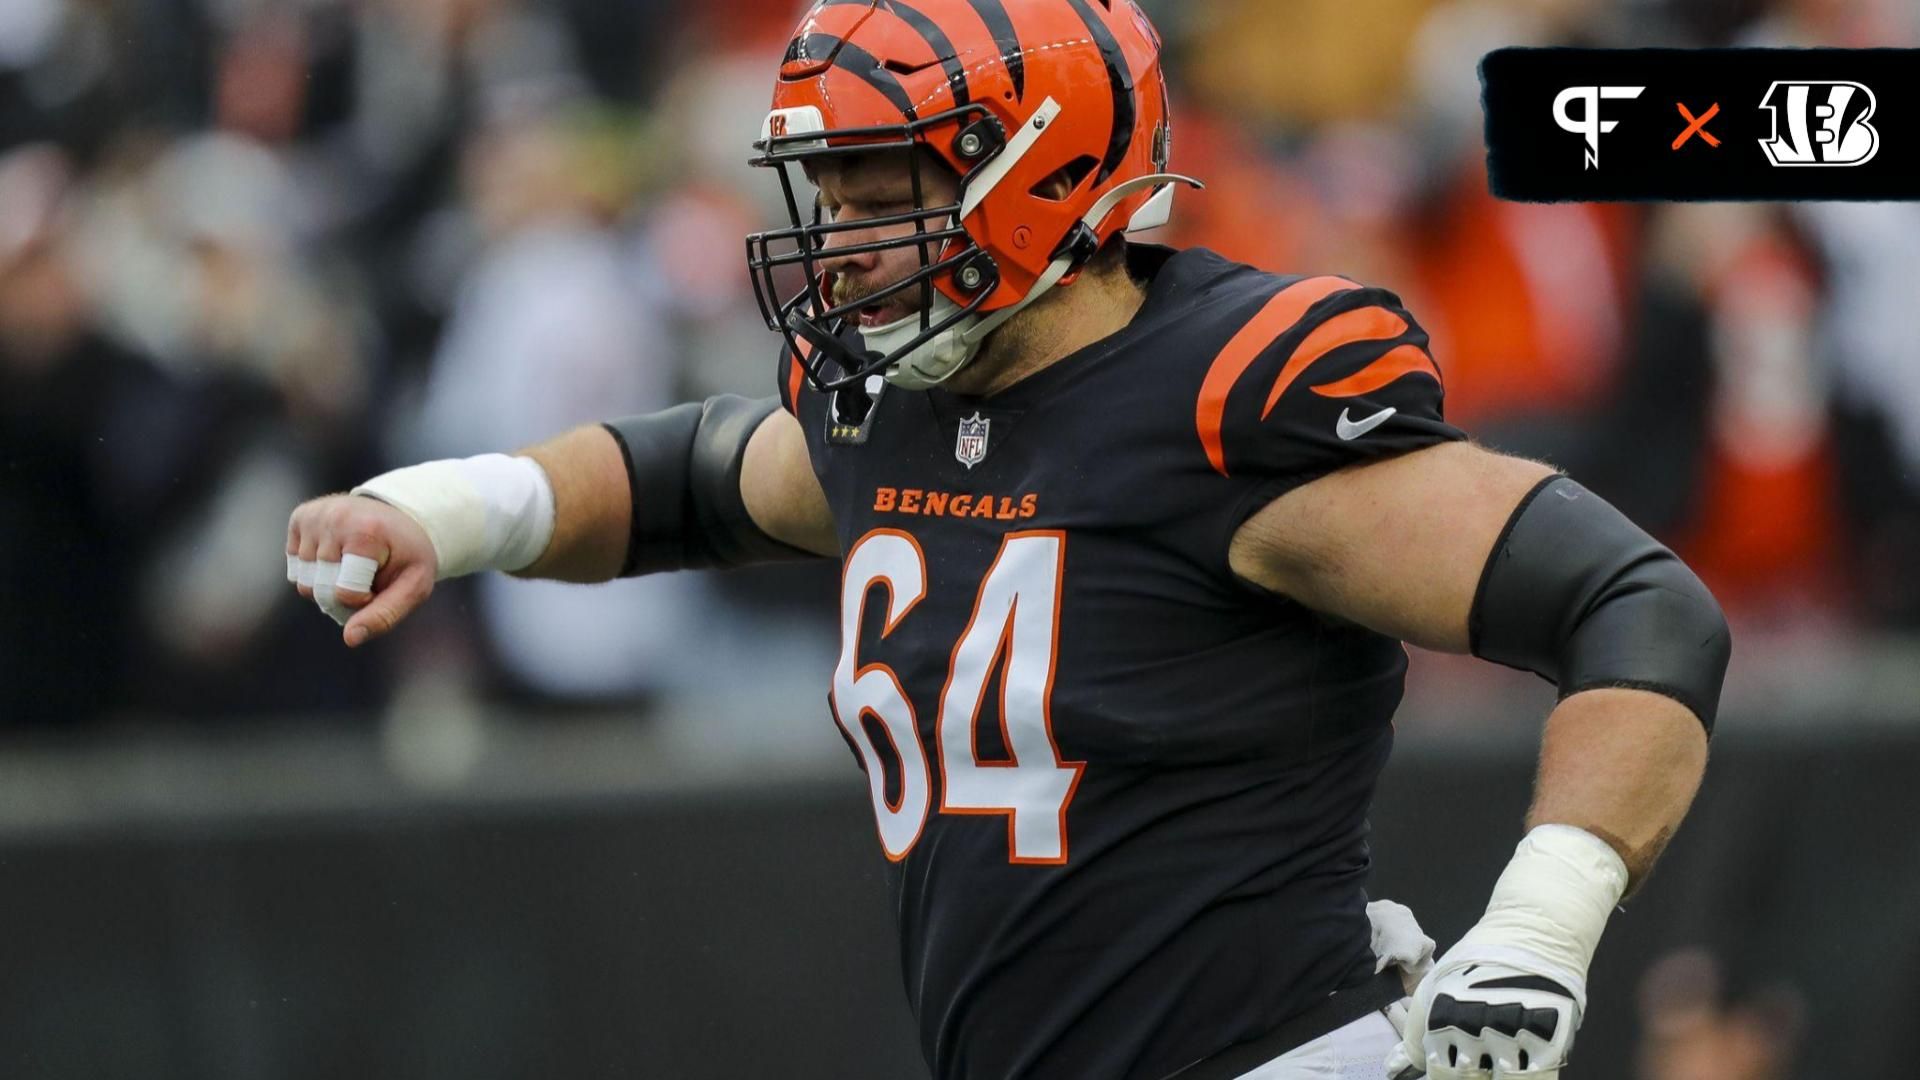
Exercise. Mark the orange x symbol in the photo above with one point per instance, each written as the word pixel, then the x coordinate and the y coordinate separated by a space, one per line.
pixel 1697 125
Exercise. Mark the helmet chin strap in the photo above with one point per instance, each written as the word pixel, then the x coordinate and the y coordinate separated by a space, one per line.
pixel 941 356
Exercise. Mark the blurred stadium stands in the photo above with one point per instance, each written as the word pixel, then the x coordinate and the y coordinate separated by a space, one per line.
pixel 255 250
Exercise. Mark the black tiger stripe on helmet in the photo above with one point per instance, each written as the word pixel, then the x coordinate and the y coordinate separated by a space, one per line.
pixel 943 51
pixel 856 61
pixel 1012 53
pixel 1121 81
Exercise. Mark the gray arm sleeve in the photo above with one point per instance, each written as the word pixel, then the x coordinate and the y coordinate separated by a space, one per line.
pixel 1580 595
pixel 683 467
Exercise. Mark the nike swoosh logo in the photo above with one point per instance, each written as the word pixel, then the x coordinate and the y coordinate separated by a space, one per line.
pixel 1350 430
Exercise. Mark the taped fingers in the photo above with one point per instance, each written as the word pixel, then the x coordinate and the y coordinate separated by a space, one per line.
pixel 356 574
pixel 293 547
pixel 324 578
pixel 306 563
pixel 362 557
pixel 340 577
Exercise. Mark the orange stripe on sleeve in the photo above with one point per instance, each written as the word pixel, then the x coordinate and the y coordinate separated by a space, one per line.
pixel 1405 360
pixel 1366 324
pixel 1281 313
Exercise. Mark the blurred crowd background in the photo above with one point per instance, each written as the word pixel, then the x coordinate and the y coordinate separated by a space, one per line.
pixel 256 250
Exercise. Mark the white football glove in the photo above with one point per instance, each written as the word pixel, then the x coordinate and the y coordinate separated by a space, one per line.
pixel 1398 941
pixel 1504 1003
pixel 1480 1019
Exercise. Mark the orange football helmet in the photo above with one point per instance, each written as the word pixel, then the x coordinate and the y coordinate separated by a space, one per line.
pixel 1008 95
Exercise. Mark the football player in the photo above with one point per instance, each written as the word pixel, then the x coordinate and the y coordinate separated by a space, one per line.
pixel 1131 538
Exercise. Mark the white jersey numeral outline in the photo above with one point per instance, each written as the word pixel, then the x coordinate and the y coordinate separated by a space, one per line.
pixel 1014 629
pixel 893 559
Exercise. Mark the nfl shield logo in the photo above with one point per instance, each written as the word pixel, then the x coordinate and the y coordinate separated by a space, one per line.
pixel 972 444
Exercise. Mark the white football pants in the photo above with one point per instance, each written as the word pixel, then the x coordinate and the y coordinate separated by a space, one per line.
pixel 1355 1052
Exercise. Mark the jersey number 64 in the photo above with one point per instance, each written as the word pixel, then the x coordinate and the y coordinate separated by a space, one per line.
pixel 1015 626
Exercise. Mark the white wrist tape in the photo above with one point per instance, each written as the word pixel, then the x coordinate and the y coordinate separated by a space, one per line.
pixel 491 512
pixel 1550 905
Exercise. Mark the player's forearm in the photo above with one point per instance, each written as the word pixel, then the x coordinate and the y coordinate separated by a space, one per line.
pixel 1618 769
pixel 1638 646
pixel 1624 765
pixel 675 490
pixel 592 507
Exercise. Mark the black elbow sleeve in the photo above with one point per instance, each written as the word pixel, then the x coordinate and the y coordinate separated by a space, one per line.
pixel 1580 595
pixel 683 468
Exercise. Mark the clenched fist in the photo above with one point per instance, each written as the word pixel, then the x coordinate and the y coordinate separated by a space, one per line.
pixel 365 563
pixel 1503 1003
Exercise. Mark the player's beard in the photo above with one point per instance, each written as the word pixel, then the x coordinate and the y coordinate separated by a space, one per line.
pixel 843 290
pixel 907 302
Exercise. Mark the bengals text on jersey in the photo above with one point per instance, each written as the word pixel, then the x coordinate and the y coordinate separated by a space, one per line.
pixel 1122 794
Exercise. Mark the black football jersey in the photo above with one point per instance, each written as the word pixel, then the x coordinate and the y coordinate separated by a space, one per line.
pixel 1122 793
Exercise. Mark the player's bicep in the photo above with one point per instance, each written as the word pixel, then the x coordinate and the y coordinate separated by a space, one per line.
pixel 782 494
pixel 1396 545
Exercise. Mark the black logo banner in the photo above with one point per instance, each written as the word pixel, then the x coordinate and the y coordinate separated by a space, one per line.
pixel 1702 124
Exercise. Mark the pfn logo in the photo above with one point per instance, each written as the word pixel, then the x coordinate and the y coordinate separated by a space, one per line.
pixel 1589 123
pixel 1826 124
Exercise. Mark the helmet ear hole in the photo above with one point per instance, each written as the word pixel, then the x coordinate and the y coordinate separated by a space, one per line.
pixel 1060 185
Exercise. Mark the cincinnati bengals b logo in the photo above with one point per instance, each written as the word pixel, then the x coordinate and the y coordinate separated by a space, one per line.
pixel 1826 124
pixel 777 125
